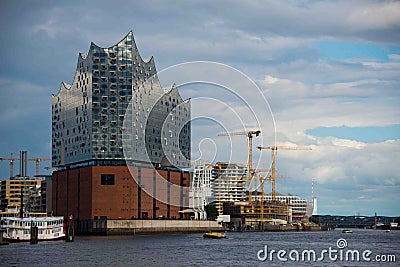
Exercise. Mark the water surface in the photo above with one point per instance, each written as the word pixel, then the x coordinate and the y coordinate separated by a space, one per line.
pixel 240 249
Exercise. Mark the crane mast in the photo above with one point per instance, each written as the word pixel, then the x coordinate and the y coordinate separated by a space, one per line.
pixel 250 170
pixel 274 150
pixel 36 160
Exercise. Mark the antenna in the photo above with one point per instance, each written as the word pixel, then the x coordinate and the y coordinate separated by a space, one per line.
pixel 314 199
pixel 312 187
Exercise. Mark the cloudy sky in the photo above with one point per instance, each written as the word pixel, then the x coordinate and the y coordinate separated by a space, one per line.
pixel 328 69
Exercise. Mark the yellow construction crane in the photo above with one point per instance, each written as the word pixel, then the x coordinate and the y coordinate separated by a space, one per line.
pixel 262 196
pixel 11 159
pixel 260 178
pixel 37 163
pixel 36 160
pixel 274 150
pixel 250 172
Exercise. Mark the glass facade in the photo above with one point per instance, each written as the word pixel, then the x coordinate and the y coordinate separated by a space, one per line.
pixel 88 116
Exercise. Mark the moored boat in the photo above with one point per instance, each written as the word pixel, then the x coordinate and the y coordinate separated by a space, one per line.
pixel 2 242
pixel 16 229
pixel 214 235
pixel 347 231
pixel 394 226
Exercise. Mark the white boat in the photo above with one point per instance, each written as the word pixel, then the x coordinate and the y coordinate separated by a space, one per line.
pixel 17 229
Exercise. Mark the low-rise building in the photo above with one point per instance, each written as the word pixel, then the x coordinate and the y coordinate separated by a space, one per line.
pixel 300 206
pixel 11 191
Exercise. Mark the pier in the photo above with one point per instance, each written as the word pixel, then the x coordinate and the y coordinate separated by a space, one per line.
pixel 134 227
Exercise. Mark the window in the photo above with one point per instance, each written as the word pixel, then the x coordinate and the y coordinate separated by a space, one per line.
pixel 107 179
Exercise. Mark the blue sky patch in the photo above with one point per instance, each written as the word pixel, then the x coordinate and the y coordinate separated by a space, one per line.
pixel 361 134
pixel 343 50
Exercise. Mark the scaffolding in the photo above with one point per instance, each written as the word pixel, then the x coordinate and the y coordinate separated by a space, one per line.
pixel 261 211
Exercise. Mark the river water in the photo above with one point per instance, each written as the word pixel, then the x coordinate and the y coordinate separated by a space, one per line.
pixel 239 249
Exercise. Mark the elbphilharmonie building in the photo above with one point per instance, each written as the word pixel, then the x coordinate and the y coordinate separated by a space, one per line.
pixel 116 110
pixel 120 141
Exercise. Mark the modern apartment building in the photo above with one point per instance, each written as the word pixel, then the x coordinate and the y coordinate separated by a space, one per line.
pixel 216 183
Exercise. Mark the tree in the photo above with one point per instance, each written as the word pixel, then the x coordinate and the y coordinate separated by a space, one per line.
pixel 211 211
pixel 314 219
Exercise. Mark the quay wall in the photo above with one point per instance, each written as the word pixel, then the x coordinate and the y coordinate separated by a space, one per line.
pixel 115 227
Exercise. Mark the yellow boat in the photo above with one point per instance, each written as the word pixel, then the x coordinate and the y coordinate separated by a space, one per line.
pixel 214 235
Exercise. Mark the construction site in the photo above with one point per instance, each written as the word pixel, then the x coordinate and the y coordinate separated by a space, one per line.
pixel 239 193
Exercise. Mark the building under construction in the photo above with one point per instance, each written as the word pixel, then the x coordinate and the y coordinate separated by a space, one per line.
pixel 228 192
pixel 252 210
pixel 266 211
pixel 301 208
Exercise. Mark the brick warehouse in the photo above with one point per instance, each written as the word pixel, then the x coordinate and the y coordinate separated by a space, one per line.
pixel 110 192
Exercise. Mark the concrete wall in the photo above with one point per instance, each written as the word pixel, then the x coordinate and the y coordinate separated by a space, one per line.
pixel 160 226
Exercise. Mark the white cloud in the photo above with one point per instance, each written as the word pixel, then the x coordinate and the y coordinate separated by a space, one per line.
pixel 374 16
pixel 270 80
pixel 394 57
pixel 334 159
pixel 347 143
pixel 49 27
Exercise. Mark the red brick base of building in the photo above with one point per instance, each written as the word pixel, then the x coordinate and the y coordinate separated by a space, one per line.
pixel 112 192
